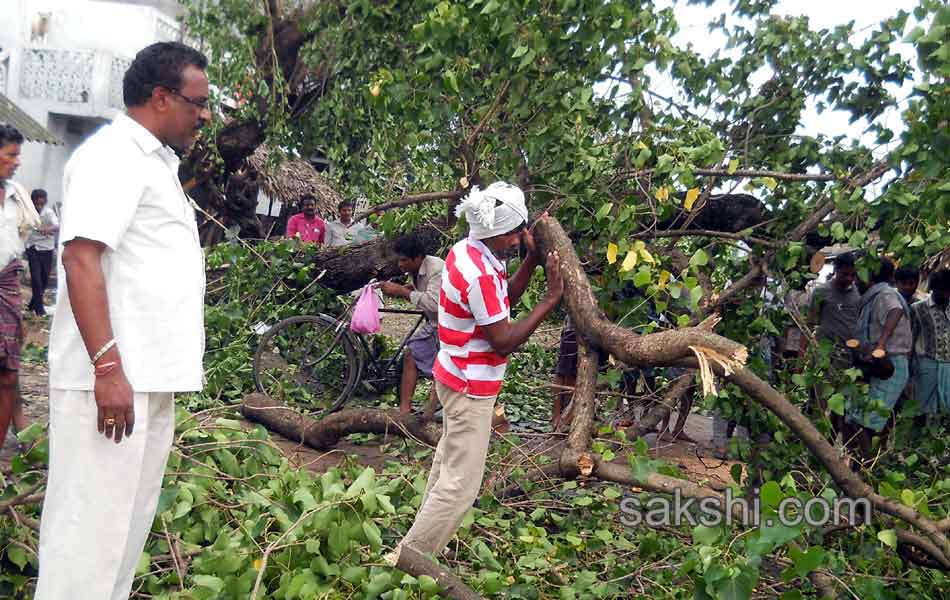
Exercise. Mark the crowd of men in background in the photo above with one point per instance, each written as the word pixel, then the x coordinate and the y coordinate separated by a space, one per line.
pixel 310 227
pixel 892 324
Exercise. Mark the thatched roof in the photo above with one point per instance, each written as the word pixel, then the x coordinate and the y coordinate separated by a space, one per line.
pixel 291 180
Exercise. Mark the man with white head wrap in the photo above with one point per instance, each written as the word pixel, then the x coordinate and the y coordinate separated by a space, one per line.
pixel 475 337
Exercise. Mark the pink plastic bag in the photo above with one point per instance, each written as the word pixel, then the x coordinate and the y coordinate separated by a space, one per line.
pixel 366 312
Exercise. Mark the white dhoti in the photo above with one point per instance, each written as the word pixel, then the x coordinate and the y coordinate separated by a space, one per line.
pixel 101 496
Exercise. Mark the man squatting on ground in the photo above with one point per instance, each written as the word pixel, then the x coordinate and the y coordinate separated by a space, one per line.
pixel 17 218
pixel 426 275
pixel 128 331
pixel 475 337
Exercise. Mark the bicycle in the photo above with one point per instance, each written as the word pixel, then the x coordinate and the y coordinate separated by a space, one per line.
pixel 317 360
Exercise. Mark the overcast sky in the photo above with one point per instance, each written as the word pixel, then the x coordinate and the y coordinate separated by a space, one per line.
pixel 822 14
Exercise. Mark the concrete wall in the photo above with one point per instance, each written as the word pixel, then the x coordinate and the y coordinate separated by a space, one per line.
pixel 65 60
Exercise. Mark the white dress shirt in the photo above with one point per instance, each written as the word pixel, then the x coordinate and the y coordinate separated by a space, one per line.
pixel 11 244
pixel 44 241
pixel 121 188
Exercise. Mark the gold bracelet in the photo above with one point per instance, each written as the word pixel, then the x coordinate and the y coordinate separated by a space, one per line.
pixel 103 350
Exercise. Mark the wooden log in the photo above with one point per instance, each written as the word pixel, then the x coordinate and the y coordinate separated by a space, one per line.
pixel 323 434
pixel 415 563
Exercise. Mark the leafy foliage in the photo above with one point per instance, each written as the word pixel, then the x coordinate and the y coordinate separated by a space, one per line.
pixel 562 97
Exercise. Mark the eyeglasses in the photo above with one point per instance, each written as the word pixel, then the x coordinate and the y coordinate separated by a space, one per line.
pixel 199 103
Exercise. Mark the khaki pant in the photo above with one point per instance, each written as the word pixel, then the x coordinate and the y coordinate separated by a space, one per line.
pixel 101 496
pixel 457 470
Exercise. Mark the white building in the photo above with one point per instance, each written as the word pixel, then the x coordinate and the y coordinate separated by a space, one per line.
pixel 62 62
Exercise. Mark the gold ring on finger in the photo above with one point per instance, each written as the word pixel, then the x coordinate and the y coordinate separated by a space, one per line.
pixel 110 421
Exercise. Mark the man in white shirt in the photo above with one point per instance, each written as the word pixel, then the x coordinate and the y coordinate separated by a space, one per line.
pixel 17 217
pixel 343 231
pixel 128 330
pixel 39 249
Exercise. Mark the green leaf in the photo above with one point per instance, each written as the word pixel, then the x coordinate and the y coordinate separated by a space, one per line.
pixel 428 585
pixel 215 584
pixel 363 481
pixel 386 504
pixel 907 497
pixel 373 535
pixel 491 7
pixel 695 294
pixel 699 259
pixel 837 230
pixel 305 498
pixel 771 494
pixel 17 556
pixel 888 537
pixel 806 562
pixel 519 52
pixel 733 166
pixel 338 542
pixel 836 403
pixel 643 276
pixel 706 536
pixel 450 79
pixel 354 574
pixel 142 567
pixel 604 210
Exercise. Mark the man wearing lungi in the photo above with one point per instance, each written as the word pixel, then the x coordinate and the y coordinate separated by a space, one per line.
pixel 930 318
pixel 475 337
pixel 128 330
pixel 426 274
pixel 17 218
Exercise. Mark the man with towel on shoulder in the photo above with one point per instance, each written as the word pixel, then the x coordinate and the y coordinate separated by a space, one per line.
pixel 17 218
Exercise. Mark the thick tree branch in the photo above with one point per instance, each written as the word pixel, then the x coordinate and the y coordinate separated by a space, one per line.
pixel 582 426
pixel 675 233
pixel 740 173
pixel 409 201
pixel 24 497
pixel 656 350
pixel 324 433
pixel 415 563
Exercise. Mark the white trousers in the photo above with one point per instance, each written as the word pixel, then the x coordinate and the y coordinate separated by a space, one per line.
pixel 101 496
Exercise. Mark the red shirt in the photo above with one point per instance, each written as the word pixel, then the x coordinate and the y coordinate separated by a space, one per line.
pixel 308 230
pixel 474 294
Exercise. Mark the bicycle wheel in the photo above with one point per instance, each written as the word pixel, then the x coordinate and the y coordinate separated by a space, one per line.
pixel 309 361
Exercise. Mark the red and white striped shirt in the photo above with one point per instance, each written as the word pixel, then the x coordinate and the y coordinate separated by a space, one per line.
pixel 474 294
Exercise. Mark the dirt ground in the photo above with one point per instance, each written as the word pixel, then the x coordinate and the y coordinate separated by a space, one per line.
pixel 690 458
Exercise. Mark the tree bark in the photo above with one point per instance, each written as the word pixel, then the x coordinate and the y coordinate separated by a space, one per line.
pixel 350 267
pixel 410 561
pixel 324 434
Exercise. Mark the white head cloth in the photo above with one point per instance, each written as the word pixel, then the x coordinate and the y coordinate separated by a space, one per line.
pixel 496 210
